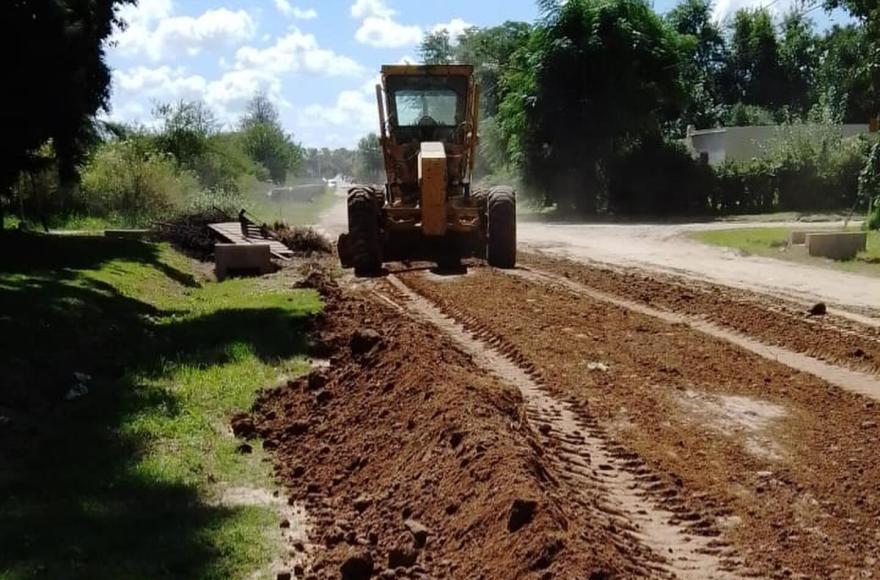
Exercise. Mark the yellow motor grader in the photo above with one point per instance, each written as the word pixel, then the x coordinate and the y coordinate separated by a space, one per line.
pixel 427 210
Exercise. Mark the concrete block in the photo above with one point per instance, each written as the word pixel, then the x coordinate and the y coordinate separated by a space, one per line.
pixel 250 259
pixel 836 245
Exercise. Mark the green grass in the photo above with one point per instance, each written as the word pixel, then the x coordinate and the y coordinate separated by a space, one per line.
pixel 118 483
pixel 771 242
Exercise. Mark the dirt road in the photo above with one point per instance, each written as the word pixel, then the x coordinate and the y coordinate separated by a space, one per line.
pixel 571 420
pixel 667 249
pixel 563 421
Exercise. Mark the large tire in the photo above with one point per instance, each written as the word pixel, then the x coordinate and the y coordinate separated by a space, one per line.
pixel 364 243
pixel 501 227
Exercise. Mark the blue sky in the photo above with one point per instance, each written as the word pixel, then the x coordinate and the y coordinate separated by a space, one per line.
pixel 317 60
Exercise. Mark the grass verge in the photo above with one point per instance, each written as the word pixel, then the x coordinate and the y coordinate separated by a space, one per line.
pixel 772 243
pixel 120 480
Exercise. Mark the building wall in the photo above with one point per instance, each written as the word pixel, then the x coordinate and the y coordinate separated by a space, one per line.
pixel 744 143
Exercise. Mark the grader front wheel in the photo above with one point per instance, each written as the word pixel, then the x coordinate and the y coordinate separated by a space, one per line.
pixel 364 247
pixel 501 227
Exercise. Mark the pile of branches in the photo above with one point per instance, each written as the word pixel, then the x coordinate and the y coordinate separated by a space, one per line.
pixel 302 241
pixel 189 231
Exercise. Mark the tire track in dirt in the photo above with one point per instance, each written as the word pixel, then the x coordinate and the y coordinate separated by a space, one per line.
pixel 834 338
pixel 614 483
pixel 851 380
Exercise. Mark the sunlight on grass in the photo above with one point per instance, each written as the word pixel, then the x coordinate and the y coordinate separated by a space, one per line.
pixel 772 243
pixel 118 484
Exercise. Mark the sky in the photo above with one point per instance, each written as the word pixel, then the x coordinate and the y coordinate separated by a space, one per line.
pixel 317 60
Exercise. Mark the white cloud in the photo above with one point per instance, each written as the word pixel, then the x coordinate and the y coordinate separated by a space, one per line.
pixel 295 12
pixel 230 93
pixel 145 12
pixel 128 112
pixel 367 8
pixel 154 32
pixel 454 27
pixel 378 27
pixel 163 82
pixel 355 111
pixel 387 33
pixel 727 8
pixel 296 51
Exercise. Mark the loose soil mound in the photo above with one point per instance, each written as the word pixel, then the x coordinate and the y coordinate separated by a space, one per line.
pixel 410 458
pixel 784 463
pixel 828 338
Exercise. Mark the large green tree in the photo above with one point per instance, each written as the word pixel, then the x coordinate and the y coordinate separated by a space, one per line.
pixel 436 48
pixel 753 73
pixel 56 80
pixel 266 141
pixel 799 60
pixel 595 75
pixel 844 74
pixel 489 50
pixel 868 14
pixel 703 57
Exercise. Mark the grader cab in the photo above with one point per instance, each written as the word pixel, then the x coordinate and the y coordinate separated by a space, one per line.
pixel 427 209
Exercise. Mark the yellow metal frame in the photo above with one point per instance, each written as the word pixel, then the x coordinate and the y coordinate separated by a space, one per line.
pixel 458 218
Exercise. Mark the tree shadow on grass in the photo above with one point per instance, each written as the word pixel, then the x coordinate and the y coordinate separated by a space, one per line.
pixel 73 503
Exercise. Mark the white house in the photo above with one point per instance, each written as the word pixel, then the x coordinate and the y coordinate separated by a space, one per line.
pixel 743 143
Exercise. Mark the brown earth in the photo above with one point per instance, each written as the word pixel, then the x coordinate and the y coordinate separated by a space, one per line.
pixel 787 458
pixel 489 425
pixel 403 426
pixel 830 338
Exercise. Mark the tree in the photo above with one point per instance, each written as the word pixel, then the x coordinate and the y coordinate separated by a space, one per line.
pixel 265 140
pixel 594 76
pixel 368 160
pixel 436 48
pixel 694 18
pixel 868 14
pixel 489 50
pixel 799 60
pixel 703 56
pixel 260 109
pixel 843 76
pixel 754 74
pixel 57 80
pixel 186 127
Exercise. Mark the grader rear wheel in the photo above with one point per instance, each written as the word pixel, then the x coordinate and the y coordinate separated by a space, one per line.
pixel 501 227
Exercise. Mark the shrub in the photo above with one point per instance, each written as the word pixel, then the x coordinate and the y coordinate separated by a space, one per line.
pixel 816 168
pixel 742 115
pixel 658 177
pixel 805 168
pixel 869 186
pixel 125 178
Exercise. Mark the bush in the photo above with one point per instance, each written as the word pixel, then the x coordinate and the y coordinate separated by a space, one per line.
pixel 806 168
pixel 869 186
pixel 816 168
pixel 742 115
pixel 125 178
pixel 658 177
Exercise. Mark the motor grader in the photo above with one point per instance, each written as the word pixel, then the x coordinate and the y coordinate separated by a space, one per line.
pixel 427 209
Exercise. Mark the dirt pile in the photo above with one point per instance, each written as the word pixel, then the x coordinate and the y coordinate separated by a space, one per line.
pixel 413 463
pixel 777 322
pixel 781 464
